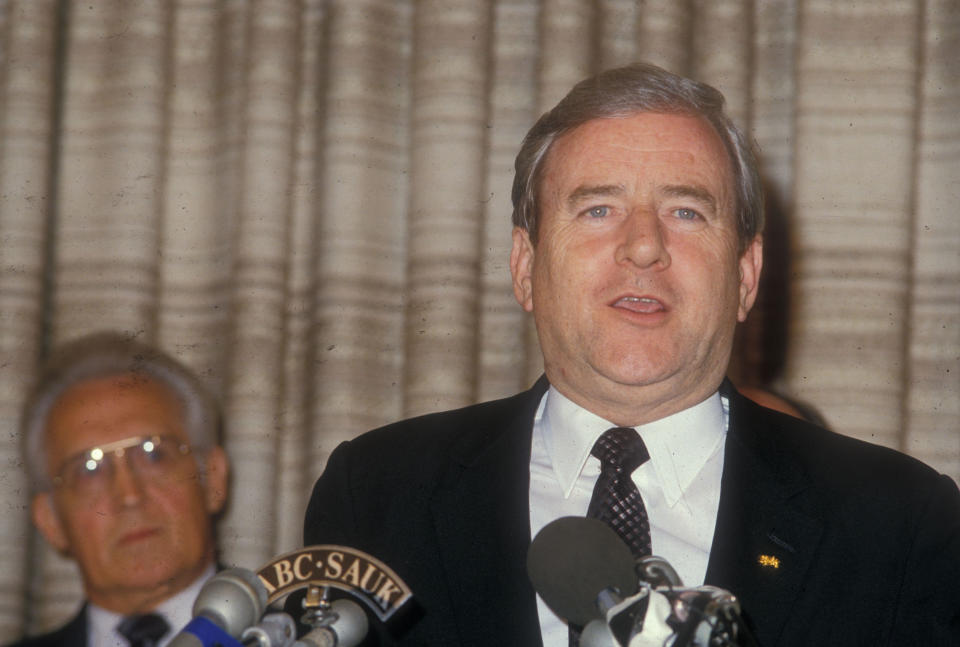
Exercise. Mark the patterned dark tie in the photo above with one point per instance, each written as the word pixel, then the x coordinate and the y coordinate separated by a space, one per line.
pixel 616 500
pixel 143 630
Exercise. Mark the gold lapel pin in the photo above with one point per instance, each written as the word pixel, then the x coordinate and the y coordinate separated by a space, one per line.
pixel 769 561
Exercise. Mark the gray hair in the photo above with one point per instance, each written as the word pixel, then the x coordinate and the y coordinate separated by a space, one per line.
pixel 109 354
pixel 622 92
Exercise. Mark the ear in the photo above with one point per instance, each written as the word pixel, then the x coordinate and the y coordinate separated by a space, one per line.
pixel 215 478
pixel 47 521
pixel 751 262
pixel 521 268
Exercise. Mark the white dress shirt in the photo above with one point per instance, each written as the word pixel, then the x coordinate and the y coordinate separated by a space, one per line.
pixel 177 610
pixel 680 484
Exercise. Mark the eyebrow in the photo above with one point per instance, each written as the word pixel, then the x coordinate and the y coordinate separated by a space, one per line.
pixel 593 191
pixel 691 191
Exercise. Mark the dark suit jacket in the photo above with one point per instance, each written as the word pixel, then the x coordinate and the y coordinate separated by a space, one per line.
pixel 867 539
pixel 72 634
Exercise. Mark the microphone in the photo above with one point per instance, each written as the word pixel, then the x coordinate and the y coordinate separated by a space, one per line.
pixel 344 625
pixel 587 576
pixel 274 630
pixel 327 572
pixel 348 628
pixel 228 603
pixel 572 560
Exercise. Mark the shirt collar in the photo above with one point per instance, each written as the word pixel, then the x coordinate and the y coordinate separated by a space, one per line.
pixel 679 445
pixel 177 610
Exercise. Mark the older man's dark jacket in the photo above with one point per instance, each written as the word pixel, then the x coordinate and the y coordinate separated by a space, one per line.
pixel 72 634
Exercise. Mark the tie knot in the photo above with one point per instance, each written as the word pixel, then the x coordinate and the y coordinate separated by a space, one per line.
pixel 621 449
pixel 143 630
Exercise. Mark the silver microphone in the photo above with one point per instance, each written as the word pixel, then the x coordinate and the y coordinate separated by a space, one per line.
pixel 348 626
pixel 228 603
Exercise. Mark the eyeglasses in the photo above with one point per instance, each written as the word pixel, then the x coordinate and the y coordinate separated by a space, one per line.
pixel 149 457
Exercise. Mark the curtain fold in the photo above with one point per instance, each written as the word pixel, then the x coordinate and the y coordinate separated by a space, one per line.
pixel 506 361
pixel 29 32
pixel 856 115
pixel 308 202
pixel 259 273
pixel 448 137
pixel 932 406
pixel 361 200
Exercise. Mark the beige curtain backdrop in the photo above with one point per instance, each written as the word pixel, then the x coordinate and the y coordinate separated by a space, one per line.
pixel 308 202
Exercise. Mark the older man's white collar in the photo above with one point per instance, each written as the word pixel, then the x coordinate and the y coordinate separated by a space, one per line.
pixel 177 610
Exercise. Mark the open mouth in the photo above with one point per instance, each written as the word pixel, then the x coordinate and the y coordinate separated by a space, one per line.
pixel 640 305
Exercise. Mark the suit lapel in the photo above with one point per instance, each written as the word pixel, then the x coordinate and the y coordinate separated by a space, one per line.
pixel 77 631
pixel 764 542
pixel 482 518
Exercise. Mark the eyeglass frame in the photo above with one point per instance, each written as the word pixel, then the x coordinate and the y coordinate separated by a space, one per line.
pixel 118 449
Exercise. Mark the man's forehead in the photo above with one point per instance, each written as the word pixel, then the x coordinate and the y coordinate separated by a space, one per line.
pixel 639 132
pixel 604 156
pixel 101 409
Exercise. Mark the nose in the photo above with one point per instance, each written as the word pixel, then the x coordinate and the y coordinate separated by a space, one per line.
pixel 126 486
pixel 643 241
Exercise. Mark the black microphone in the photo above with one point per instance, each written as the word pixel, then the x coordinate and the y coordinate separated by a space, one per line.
pixel 228 603
pixel 572 560
pixel 587 575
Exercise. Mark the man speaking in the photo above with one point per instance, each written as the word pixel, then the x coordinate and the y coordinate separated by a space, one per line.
pixel 637 248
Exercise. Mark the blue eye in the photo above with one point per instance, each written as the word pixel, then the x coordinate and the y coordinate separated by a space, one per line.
pixel 598 212
pixel 686 214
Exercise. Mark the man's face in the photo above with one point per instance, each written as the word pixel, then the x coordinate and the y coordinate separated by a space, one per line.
pixel 636 283
pixel 140 539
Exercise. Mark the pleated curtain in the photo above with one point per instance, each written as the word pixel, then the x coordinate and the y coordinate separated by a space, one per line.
pixel 307 201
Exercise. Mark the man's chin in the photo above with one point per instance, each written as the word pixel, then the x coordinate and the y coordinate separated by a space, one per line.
pixel 149 559
pixel 629 371
pixel 153 577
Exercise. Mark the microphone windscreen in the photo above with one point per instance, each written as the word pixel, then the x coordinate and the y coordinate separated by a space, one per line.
pixel 234 599
pixel 573 559
pixel 351 625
